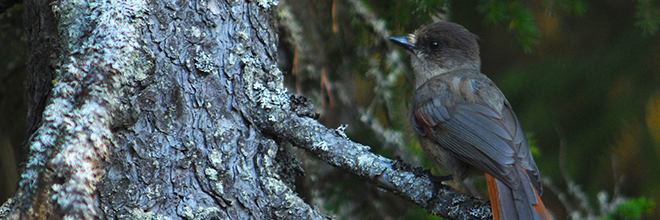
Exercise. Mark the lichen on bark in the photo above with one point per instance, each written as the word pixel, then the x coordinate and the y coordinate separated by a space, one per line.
pixel 67 152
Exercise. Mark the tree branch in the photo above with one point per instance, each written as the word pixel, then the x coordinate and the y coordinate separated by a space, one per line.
pixel 272 114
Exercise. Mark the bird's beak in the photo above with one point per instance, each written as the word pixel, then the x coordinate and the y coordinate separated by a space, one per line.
pixel 403 42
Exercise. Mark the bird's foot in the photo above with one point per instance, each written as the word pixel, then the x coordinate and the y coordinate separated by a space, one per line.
pixel 437 181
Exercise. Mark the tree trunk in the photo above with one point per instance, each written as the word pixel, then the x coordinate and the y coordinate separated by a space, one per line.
pixel 169 109
pixel 182 147
pixel 185 149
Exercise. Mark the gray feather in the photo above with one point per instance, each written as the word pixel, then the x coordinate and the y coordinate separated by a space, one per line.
pixel 490 128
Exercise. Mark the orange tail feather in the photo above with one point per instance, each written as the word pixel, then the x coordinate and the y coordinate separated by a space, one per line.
pixel 541 207
pixel 493 193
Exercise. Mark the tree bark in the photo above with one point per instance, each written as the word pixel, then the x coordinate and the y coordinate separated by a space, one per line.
pixel 177 110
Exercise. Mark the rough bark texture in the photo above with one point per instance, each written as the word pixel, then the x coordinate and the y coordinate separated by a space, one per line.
pixel 44 51
pixel 185 147
pixel 70 145
pixel 198 121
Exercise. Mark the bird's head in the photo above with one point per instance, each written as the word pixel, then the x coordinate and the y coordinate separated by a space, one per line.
pixel 439 48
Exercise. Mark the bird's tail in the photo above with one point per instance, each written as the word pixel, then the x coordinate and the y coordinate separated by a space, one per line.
pixel 521 204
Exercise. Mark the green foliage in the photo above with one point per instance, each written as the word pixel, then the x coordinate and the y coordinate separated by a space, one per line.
pixel 648 16
pixel 429 7
pixel 516 16
pixel 577 7
pixel 633 209
pixel 532 145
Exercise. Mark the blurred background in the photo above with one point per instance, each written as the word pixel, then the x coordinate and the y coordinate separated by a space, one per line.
pixel 583 77
pixel 13 110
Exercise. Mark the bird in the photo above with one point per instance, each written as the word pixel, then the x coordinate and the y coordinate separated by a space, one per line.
pixel 465 124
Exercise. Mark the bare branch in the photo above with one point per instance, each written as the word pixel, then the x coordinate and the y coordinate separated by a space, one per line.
pixel 272 115
pixel 573 189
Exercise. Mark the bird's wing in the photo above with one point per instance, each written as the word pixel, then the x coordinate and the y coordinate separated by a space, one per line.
pixel 476 132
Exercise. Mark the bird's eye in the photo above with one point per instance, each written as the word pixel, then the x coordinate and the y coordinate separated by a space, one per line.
pixel 434 45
